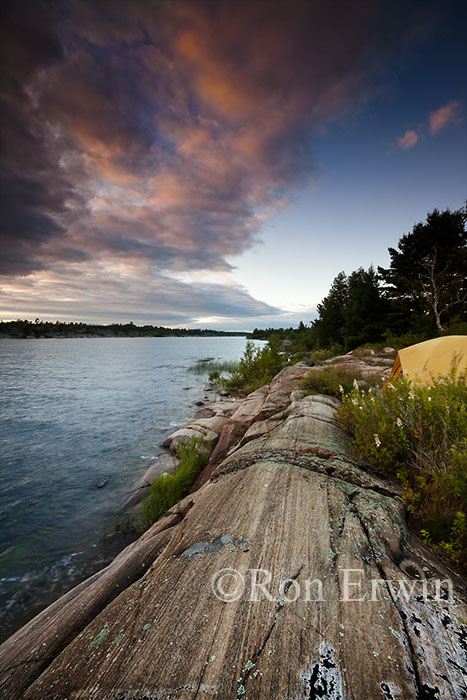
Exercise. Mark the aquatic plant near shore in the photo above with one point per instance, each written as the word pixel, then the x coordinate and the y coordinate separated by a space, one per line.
pixel 210 366
pixel 168 489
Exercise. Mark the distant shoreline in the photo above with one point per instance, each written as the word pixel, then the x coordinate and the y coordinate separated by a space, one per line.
pixel 90 336
pixel 29 330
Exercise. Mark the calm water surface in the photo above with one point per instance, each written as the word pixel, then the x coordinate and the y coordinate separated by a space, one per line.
pixel 74 413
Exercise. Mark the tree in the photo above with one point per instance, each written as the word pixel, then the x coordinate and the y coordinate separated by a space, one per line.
pixel 366 310
pixel 328 328
pixel 427 274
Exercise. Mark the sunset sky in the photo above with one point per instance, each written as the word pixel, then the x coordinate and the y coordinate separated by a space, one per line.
pixel 217 163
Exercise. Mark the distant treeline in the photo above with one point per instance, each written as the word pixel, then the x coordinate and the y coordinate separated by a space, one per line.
pixel 422 294
pixel 58 329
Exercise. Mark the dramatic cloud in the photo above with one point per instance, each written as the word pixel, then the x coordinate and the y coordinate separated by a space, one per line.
pixel 409 140
pixel 157 134
pixel 442 117
pixel 119 291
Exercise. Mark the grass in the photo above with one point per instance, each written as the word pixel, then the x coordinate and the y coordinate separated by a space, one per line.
pixel 337 380
pixel 213 366
pixel 168 489
pixel 418 433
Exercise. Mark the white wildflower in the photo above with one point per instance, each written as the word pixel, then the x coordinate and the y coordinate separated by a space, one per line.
pixel 429 398
pixel 411 394
pixel 341 388
pixel 377 440
pixel 399 422
pixel 355 402
pixel 389 385
pixel 355 384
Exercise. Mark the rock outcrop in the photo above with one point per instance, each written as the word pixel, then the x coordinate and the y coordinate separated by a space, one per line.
pixel 289 574
pixel 207 425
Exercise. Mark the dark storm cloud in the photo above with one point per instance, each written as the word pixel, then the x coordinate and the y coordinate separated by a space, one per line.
pixel 161 132
pixel 32 191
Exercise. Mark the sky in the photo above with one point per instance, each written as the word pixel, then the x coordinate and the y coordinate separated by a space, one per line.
pixel 216 163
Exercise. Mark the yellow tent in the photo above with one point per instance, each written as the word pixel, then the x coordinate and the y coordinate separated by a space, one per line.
pixel 428 360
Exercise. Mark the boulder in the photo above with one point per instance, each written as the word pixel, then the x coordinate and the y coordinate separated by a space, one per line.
pixel 206 426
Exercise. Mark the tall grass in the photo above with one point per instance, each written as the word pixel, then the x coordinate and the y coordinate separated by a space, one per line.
pixel 213 366
pixel 168 489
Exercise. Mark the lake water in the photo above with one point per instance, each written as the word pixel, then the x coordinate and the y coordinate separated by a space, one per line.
pixel 73 413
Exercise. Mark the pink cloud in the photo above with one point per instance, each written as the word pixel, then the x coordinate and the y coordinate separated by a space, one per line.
pixel 408 140
pixel 449 114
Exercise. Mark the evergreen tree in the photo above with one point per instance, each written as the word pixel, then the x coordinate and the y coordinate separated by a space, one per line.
pixel 365 313
pixel 427 274
pixel 328 328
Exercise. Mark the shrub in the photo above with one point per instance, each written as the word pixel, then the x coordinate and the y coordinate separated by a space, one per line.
pixel 336 380
pixel 256 368
pixel 403 341
pixel 418 434
pixel 168 489
pixel 321 355
pixel 364 352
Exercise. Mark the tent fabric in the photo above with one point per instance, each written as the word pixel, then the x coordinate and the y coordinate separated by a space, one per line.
pixel 432 358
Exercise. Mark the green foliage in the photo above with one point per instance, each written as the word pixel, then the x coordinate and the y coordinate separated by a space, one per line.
pixel 426 277
pixel 212 366
pixel 354 311
pixel 365 352
pixel 256 368
pixel 418 434
pixel 334 381
pixel 403 341
pixel 454 546
pixel 168 489
pixel 331 312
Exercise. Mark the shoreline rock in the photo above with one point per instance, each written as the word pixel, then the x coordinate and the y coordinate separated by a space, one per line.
pixel 281 493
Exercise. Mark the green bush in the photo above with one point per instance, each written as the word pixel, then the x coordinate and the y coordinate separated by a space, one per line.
pixel 336 380
pixel 364 352
pixel 326 354
pixel 168 489
pixel 418 433
pixel 256 368
pixel 411 338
